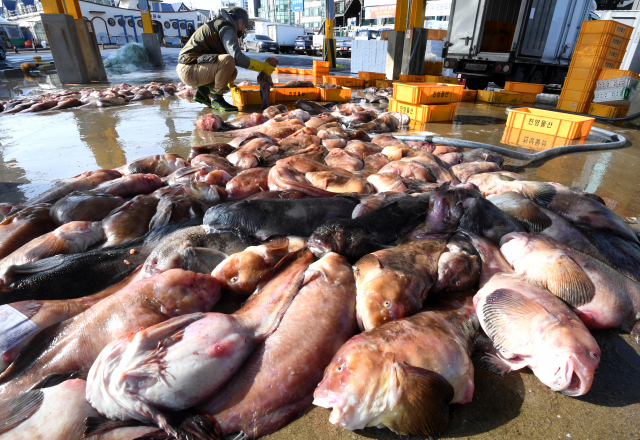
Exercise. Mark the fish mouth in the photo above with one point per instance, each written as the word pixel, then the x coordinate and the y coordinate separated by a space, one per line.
pixel 333 401
pixel 319 246
pixel 578 384
pixel 514 236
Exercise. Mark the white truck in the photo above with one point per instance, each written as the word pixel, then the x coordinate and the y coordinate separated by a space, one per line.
pixel 285 35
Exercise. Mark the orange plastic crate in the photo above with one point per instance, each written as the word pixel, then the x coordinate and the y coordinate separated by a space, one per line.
pixel 320 71
pixel 294 94
pixel 372 76
pixel 576 95
pixel 593 63
pixel 250 95
pixel 579 73
pixel 606 111
pixel 469 95
pixel 535 141
pixel 523 87
pixel 549 122
pixel 528 98
pixel 573 106
pixel 424 113
pixel 599 50
pixel 499 97
pixel 321 64
pixel 417 93
pixel 581 85
pixel 412 78
pixel 613 41
pixel 345 81
pixel 335 95
pixel 614 73
pixel 383 83
pixel 606 27
pixel 286 70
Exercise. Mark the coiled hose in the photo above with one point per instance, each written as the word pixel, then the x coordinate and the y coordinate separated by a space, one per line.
pixel 615 142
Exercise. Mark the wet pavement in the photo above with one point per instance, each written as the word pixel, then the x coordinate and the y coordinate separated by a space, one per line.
pixel 38 149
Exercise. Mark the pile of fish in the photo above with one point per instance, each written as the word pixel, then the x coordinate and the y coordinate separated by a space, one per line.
pixel 119 94
pixel 373 274
pixel 330 121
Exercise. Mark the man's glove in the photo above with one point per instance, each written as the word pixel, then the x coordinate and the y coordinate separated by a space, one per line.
pixel 233 87
pixel 259 66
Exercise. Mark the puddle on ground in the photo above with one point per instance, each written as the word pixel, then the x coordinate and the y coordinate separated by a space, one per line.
pixel 38 149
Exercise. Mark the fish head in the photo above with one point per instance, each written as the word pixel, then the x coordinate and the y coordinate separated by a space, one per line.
pixel 568 357
pixel 184 291
pixel 241 272
pixel 331 237
pixel 359 384
pixel 381 293
pixel 457 271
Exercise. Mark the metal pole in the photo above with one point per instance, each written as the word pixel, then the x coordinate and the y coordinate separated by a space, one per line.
pixel 329 46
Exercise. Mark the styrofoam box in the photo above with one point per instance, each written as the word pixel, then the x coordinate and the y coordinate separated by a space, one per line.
pixel 624 81
pixel 614 96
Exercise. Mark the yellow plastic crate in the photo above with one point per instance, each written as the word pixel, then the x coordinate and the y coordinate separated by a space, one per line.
pixel 383 83
pixel 427 93
pixel 573 106
pixel 606 111
pixel 614 73
pixel 550 122
pixel 345 81
pixel 576 95
pixel 286 70
pixel 310 72
pixel 613 41
pixel 499 97
pixel 593 63
pixel 579 73
pixel 523 87
pixel 294 94
pixel 447 80
pixel 432 68
pixel 250 95
pixel 528 98
pixel 535 141
pixel 469 95
pixel 599 50
pixel 581 85
pixel 372 76
pixel 606 27
pixel 321 64
pixel 335 95
pixel 412 78
pixel 424 113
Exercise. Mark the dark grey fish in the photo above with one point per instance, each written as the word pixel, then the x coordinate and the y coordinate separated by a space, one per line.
pixel 481 155
pixel 622 254
pixel 264 218
pixel 484 218
pixel 176 209
pixel 219 149
pixel 310 106
pixel 194 249
pixel 354 238
pixel 77 275
pixel 84 206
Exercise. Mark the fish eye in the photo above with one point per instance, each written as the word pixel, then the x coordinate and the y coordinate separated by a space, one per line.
pixel 387 304
pixel 234 279
pixel 595 355
pixel 457 283
pixel 339 369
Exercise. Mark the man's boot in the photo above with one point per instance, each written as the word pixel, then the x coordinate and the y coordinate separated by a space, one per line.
pixel 218 103
pixel 202 95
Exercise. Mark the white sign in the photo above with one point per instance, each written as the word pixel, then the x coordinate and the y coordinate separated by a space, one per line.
pixel 433 24
pixel 14 327
pixel 438 8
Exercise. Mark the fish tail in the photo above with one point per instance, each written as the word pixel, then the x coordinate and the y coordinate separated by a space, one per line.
pixel 15 410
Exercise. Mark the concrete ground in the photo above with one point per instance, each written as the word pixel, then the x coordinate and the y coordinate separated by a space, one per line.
pixel 38 149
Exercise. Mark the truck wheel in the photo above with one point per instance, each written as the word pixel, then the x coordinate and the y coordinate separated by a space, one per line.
pixel 276 52
pixel 309 53
pixel 537 77
pixel 477 83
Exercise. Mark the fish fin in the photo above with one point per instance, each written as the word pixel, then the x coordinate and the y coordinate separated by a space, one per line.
pixel 504 308
pixel 424 402
pixel 277 242
pixel 156 435
pixel 636 331
pixel 38 266
pixel 161 218
pixel 282 264
pixel 27 308
pixel 186 425
pixel 309 275
pixel 56 379
pixel 533 218
pixel 201 260
pixel 15 410
pixel 51 246
pixel 100 425
pixel 542 195
pixel 243 217
pixel 369 261
pixel 566 280
pixel 486 356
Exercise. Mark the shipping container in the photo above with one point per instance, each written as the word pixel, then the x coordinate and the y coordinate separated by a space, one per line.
pixel 513 40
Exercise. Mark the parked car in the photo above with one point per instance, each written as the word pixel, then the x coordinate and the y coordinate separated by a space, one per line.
pixel 304 44
pixel 259 43
pixel 3 51
pixel 343 46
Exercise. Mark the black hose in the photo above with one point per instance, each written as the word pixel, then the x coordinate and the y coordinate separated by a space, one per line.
pixel 615 141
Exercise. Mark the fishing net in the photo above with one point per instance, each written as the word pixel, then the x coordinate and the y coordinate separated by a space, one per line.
pixel 127 59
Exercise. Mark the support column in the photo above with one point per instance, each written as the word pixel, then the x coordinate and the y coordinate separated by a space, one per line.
pixel 395 46
pixel 329 46
pixel 415 42
pixel 150 40
pixel 65 48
